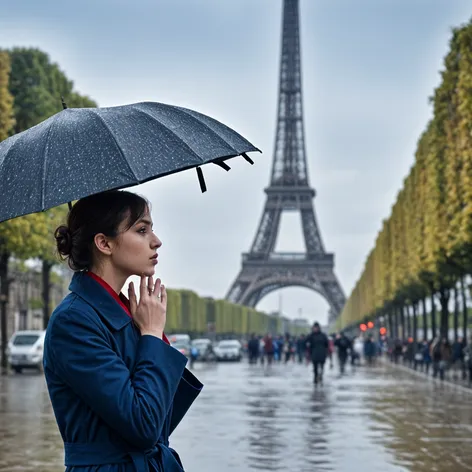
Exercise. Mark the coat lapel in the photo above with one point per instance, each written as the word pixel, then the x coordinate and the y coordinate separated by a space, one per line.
pixel 102 302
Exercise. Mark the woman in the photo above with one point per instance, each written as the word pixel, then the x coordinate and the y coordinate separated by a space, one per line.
pixel 118 389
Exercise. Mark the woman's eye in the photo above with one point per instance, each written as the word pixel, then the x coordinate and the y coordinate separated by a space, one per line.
pixel 142 230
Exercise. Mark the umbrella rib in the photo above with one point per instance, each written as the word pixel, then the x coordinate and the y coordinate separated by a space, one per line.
pixel 116 143
pixel 211 129
pixel 45 160
pixel 13 141
pixel 176 135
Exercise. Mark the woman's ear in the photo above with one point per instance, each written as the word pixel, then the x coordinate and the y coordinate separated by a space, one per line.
pixel 102 243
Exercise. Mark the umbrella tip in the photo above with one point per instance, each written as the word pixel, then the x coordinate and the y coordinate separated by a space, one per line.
pixel 201 180
pixel 223 165
pixel 64 105
pixel 248 159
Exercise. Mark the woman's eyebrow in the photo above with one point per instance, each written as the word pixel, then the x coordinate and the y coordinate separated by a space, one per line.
pixel 146 221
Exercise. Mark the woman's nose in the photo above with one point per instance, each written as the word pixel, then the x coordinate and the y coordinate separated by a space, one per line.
pixel 156 243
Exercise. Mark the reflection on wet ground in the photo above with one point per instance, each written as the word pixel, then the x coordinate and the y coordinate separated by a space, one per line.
pixel 30 440
pixel 252 419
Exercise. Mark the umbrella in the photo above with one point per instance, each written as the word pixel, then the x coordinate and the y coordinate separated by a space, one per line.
pixel 82 151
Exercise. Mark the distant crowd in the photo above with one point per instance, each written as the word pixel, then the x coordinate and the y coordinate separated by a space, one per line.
pixel 437 357
pixel 316 348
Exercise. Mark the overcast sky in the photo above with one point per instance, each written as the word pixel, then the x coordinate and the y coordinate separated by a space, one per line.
pixel 369 67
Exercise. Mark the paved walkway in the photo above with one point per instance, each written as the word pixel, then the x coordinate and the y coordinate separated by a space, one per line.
pixel 251 418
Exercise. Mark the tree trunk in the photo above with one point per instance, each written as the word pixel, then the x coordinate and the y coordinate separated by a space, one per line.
pixel 395 322
pixel 46 282
pixel 402 321
pixel 456 313
pixel 433 316
pixel 415 324
pixel 408 321
pixel 391 321
pixel 444 295
pixel 465 320
pixel 425 320
pixel 4 289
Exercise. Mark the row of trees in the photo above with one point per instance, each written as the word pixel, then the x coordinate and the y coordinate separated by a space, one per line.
pixel 189 313
pixel 424 249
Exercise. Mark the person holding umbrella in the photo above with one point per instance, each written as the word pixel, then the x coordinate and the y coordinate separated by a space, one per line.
pixel 118 389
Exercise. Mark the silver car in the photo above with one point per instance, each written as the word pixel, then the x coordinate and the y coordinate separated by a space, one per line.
pixel 25 350
pixel 229 350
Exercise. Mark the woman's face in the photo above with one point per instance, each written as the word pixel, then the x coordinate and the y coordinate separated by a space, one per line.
pixel 135 250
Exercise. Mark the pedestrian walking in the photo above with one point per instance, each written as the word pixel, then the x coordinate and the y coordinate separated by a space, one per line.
pixel 301 347
pixel 287 348
pixel 269 348
pixel 457 361
pixel 330 351
pixel 253 349
pixel 318 345
pixel 357 350
pixel 343 345
pixel 397 350
pixel 118 389
pixel 441 353
pixel 468 361
pixel 426 356
pixel 370 350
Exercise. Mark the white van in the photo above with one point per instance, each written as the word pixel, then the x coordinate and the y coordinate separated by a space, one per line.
pixel 25 350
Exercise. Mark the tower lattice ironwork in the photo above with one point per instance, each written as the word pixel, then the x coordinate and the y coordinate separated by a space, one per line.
pixel 263 269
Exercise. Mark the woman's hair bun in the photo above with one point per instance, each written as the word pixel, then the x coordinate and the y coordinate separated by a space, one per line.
pixel 63 240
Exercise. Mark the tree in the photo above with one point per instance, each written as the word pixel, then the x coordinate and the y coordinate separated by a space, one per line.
pixel 7 119
pixel 425 246
pixel 37 86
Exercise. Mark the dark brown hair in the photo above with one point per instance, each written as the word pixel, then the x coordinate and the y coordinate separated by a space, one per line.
pixel 100 213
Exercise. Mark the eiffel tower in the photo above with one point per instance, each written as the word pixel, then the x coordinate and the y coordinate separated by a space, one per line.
pixel 263 269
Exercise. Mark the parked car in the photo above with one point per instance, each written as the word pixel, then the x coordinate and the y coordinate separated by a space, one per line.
pixel 179 337
pixel 206 352
pixel 229 350
pixel 25 350
pixel 181 345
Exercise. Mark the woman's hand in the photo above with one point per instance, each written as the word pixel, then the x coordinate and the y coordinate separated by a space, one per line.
pixel 150 313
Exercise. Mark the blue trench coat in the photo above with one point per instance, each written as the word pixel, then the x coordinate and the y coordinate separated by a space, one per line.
pixel 117 396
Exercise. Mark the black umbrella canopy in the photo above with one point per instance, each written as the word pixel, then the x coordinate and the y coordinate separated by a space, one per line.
pixel 83 151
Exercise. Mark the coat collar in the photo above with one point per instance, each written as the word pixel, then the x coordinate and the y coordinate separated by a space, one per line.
pixel 99 299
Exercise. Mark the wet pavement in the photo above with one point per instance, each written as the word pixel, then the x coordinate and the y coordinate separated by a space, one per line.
pixel 253 419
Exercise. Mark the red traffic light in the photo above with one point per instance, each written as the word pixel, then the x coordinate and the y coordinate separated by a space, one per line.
pixel 363 327
pixel 383 331
pixel 370 324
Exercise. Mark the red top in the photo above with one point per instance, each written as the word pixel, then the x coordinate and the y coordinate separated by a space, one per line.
pixel 120 299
